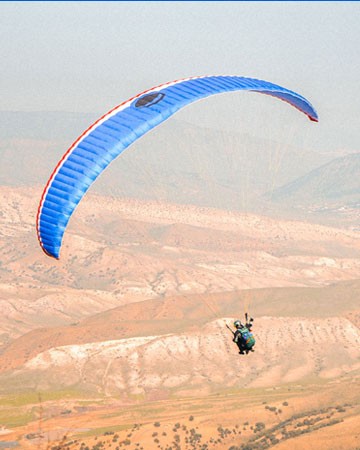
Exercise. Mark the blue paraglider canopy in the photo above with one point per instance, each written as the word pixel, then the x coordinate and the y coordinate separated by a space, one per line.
pixel 110 135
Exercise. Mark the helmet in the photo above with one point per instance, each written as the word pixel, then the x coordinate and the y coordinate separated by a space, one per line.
pixel 237 324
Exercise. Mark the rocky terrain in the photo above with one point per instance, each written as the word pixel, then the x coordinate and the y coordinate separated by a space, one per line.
pixel 288 350
pixel 118 251
pixel 309 323
pixel 134 313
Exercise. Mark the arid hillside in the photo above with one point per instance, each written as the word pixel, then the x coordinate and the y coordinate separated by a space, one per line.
pixel 202 360
pixel 118 251
pixel 163 371
pixel 161 317
pixel 132 319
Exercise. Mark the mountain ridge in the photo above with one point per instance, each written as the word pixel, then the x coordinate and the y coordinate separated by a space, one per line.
pixel 336 182
pixel 180 162
pixel 183 313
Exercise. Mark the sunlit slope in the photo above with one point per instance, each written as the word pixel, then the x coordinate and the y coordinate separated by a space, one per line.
pixel 187 312
pixel 178 343
pixel 124 251
pixel 199 360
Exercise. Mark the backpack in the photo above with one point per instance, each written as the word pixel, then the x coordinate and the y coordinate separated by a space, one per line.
pixel 248 338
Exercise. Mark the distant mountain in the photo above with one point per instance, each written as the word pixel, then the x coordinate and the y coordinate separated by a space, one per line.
pixel 44 125
pixel 180 162
pixel 334 184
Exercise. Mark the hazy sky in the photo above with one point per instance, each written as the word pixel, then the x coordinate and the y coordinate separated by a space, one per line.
pixel 90 56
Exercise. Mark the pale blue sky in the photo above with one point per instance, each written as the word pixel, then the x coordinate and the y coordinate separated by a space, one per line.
pixel 90 56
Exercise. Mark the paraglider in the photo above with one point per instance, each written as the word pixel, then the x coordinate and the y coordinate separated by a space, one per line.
pixel 110 135
pixel 243 336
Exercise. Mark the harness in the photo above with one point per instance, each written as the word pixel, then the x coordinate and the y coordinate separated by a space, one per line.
pixel 247 337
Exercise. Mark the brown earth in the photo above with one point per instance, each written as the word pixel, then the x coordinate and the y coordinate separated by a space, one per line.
pixel 202 358
pixel 302 415
pixel 82 325
pixel 118 251
pixel 189 313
